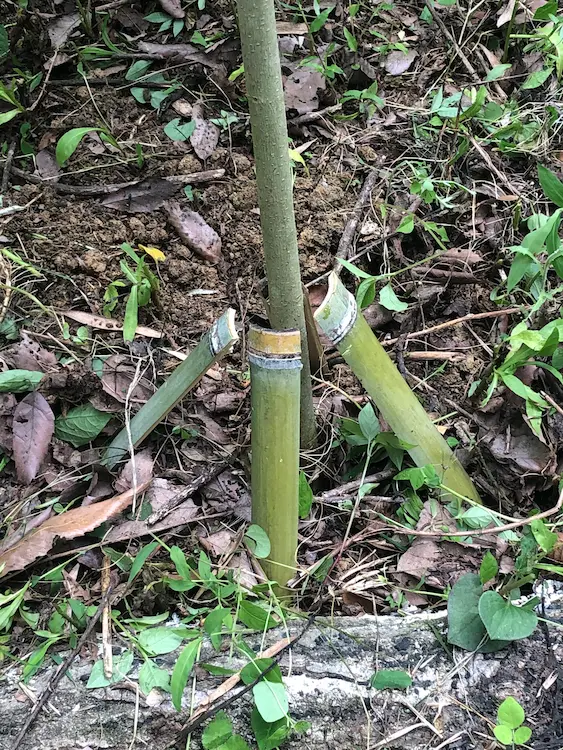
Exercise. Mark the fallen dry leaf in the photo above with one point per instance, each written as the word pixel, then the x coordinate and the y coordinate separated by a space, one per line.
pixel 144 197
pixel 300 89
pixel 61 28
pixel 243 571
pixel 182 107
pixel 118 372
pixel 286 27
pixel 219 543
pixel 505 13
pixel 459 256
pixel 46 166
pixel 139 467
pixel 33 427
pixel 398 62
pixel 70 525
pixel 195 232
pixel 158 496
pixel 205 137
pixel 178 52
pixel 29 355
pixel 107 324
pixel 172 7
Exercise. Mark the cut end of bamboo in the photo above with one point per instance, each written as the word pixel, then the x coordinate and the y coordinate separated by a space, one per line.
pixel 223 335
pixel 338 311
pixel 264 343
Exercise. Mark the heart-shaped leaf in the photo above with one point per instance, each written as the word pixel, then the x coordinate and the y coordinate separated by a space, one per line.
pixel 503 620
pixel 465 627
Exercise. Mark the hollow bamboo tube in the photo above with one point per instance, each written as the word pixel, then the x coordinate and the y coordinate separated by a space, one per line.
pixel 217 342
pixel 275 373
pixel 347 329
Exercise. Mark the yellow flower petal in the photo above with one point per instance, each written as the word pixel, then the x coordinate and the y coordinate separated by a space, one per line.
pixel 154 252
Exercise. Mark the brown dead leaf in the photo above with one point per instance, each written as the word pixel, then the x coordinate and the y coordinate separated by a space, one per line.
pixel 300 89
pixel 107 324
pixel 29 355
pixel 194 231
pixel 505 13
pixel 459 256
pixel 139 467
pixel 159 495
pixel 172 7
pixel 118 372
pixel 33 427
pixel 243 571
pixel 398 62
pixel 46 166
pixel 182 107
pixel 420 558
pixel 69 525
pixel 61 28
pixel 219 543
pixel 144 197
pixel 178 52
pixel 205 137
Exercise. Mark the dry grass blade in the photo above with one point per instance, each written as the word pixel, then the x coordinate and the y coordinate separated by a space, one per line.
pixel 74 523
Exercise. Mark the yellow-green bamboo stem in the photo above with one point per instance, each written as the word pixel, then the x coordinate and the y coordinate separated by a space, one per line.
pixel 217 342
pixel 348 330
pixel 275 373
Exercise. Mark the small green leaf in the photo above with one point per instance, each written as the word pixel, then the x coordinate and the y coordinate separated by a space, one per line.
pixel 407 224
pixel 391 679
pixel 140 560
pixel 489 568
pixel 181 672
pixel 465 627
pixel 305 496
pixel 157 17
pixel 319 21
pixel 365 293
pixel 543 536
pixel 121 666
pixel 19 381
pixel 389 300
pixel 503 734
pixel 81 425
pixel 522 735
pixel 510 713
pixel 178 131
pixel 354 269
pixel 131 314
pixel 257 541
pixel 351 40
pixel 369 423
pixel 217 732
pixel 252 671
pixel 254 617
pixel 139 93
pixel 497 71
pixel 158 641
pixel 214 623
pixel 536 79
pixel 420 476
pixel 68 143
pixel 271 700
pixel 503 620
pixel 151 676
pixel 269 735
pixel 551 185
pixel 138 69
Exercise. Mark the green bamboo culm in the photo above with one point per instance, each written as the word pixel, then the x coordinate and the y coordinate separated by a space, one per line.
pixel 217 342
pixel 347 329
pixel 257 26
pixel 275 369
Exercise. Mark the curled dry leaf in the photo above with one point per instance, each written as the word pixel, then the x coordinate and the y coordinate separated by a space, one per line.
pixel 33 427
pixel 70 525
pixel 178 52
pixel 144 197
pixel 301 89
pixel 459 256
pixel 118 372
pixel 139 467
pixel 398 62
pixel 172 7
pixel 205 137
pixel 194 231
pixel 106 324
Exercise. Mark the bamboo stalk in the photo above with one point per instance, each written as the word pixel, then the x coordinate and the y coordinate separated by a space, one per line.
pixel 348 330
pixel 275 367
pixel 257 25
pixel 217 342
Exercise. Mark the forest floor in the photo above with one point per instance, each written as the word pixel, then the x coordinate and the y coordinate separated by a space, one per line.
pixel 450 115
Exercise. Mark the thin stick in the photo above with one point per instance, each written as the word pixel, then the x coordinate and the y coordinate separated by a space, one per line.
pixel 8 167
pixel 352 224
pixel 54 681
pixel 106 620
pixel 456 322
